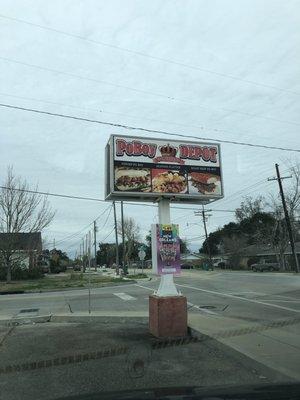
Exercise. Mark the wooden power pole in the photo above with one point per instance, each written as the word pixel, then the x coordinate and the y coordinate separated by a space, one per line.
pixel 286 215
pixel 203 212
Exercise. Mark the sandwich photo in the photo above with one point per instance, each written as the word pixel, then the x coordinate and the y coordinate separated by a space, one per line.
pixel 205 183
pixel 166 181
pixel 129 179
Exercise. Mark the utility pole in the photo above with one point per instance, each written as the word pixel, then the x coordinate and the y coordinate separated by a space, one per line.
pixel 95 244
pixel 79 254
pixel 88 240
pixel 123 239
pixel 203 212
pixel 116 236
pixel 82 259
pixel 286 214
pixel 86 253
pixel 54 243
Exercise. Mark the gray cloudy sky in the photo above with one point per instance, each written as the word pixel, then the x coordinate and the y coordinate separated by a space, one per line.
pixel 253 40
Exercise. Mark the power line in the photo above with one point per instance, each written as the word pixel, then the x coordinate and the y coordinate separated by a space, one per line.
pixel 138 117
pixel 94 199
pixel 242 190
pixel 53 194
pixel 105 222
pixel 72 236
pixel 86 78
pixel 81 230
pixel 161 95
pixel 162 59
pixel 108 234
pixel 128 127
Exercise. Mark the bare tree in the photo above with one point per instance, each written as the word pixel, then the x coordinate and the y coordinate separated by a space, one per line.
pixel 292 195
pixel 131 233
pixel 233 245
pixel 249 208
pixel 20 211
pixel 280 238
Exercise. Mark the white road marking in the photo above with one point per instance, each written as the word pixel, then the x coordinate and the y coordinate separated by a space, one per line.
pixel 284 301
pixel 188 303
pixel 266 275
pixel 248 292
pixel 240 298
pixel 69 293
pixel 145 287
pixel 201 309
pixel 125 296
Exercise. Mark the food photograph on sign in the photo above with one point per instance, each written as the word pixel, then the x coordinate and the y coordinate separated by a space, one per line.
pixel 145 167
pixel 132 179
pixel 204 183
pixel 165 181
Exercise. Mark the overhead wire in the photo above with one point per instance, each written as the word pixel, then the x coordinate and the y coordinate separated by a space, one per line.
pixel 81 230
pixel 108 235
pixel 137 90
pixel 108 215
pixel 85 109
pixel 109 208
pixel 134 128
pixel 153 57
pixel 86 78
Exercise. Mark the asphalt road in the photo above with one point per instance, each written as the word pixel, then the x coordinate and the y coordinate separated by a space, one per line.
pixel 256 314
pixel 257 297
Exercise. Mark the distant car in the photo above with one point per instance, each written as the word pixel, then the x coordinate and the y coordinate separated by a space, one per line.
pixel 219 263
pixel 186 266
pixel 76 267
pixel 261 267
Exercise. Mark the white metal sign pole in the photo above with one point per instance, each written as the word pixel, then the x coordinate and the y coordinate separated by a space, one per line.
pixel 167 286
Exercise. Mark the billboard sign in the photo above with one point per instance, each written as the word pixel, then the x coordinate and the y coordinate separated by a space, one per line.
pixel 166 249
pixel 140 168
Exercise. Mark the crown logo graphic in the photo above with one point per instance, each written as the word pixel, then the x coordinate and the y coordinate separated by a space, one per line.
pixel 168 151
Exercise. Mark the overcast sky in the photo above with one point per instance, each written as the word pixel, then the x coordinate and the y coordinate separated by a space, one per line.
pixel 239 82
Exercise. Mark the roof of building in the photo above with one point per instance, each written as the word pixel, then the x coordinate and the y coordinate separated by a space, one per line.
pixel 21 241
pixel 191 256
pixel 265 250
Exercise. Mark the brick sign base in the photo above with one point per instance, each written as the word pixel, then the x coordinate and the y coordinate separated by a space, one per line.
pixel 168 316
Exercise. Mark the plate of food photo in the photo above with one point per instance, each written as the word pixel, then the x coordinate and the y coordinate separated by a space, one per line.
pixel 132 179
pixel 204 183
pixel 169 182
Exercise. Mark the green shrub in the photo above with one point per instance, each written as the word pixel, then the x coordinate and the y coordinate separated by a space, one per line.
pixel 76 277
pixel 197 266
pixel 19 274
pixel 2 274
pixel 137 276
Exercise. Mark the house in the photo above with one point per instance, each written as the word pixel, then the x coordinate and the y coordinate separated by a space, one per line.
pixel 264 253
pixel 191 258
pixel 25 247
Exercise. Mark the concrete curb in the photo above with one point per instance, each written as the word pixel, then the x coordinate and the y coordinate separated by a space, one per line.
pixel 74 318
pixel 13 321
pixel 98 316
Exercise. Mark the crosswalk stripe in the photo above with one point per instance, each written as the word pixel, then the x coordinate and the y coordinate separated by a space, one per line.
pixel 125 296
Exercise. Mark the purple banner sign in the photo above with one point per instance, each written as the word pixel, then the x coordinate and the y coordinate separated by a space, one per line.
pixel 168 249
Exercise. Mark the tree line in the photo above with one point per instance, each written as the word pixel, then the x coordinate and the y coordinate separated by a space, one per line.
pixel 259 221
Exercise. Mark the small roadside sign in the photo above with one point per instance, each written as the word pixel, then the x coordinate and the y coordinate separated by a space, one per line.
pixel 142 255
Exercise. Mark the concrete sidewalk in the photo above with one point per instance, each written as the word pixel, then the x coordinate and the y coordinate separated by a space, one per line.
pixel 81 355
pixel 276 345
